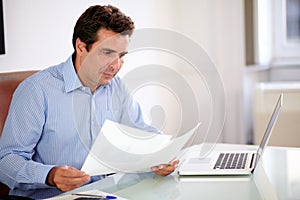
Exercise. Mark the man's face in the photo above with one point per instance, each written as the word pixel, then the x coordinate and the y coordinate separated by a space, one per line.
pixel 104 59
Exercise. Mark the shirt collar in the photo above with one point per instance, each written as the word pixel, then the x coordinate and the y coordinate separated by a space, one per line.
pixel 71 79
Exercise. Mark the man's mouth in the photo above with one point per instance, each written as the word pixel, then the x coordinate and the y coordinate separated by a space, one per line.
pixel 107 75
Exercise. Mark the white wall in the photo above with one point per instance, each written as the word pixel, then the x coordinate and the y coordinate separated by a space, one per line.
pixel 286 129
pixel 219 27
pixel 38 34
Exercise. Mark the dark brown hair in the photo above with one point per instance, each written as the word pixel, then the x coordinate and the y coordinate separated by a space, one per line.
pixel 97 17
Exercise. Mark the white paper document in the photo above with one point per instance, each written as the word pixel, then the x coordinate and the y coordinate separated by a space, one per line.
pixel 119 148
pixel 90 194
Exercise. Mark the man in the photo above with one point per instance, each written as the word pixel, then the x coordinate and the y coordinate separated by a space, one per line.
pixel 56 114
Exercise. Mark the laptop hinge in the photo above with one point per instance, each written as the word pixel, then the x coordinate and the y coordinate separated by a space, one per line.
pixel 252 162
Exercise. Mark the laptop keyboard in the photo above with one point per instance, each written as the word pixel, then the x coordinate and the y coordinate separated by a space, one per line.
pixel 231 161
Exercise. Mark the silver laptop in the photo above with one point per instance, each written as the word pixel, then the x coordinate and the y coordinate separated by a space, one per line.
pixel 230 162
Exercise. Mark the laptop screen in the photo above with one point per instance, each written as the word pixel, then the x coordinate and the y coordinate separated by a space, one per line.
pixel 269 129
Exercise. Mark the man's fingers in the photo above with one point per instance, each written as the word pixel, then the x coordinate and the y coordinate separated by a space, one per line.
pixel 174 162
pixel 165 169
pixel 67 171
pixel 70 184
pixel 68 178
pixel 67 184
pixel 71 180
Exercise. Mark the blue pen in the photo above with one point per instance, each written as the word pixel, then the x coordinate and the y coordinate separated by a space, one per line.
pixel 95 195
pixel 110 197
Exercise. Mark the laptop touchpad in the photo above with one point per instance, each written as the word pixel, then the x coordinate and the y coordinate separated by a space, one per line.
pixel 199 160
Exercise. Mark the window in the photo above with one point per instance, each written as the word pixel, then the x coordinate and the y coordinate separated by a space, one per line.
pixel 292 8
pixel 276 32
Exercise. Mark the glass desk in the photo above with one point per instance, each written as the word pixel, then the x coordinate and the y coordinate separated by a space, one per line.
pixel 276 177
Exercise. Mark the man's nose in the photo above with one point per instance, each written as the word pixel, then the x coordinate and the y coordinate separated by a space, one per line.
pixel 115 63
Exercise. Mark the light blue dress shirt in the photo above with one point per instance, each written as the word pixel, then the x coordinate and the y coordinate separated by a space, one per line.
pixel 53 120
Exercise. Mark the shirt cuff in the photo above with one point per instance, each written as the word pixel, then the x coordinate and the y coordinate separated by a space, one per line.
pixel 41 174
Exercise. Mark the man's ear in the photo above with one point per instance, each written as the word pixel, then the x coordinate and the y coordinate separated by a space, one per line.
pixel 80 46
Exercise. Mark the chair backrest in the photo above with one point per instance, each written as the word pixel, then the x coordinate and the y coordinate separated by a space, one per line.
pixel 8 83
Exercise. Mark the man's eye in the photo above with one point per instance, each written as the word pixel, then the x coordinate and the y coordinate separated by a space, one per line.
pixel 107 52
pixel 122 55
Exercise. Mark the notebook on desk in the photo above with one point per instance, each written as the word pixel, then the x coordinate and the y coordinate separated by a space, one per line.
pixel 230 162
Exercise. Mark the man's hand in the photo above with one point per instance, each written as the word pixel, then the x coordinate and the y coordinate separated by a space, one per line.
pixel 66 178
pixel 165 169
